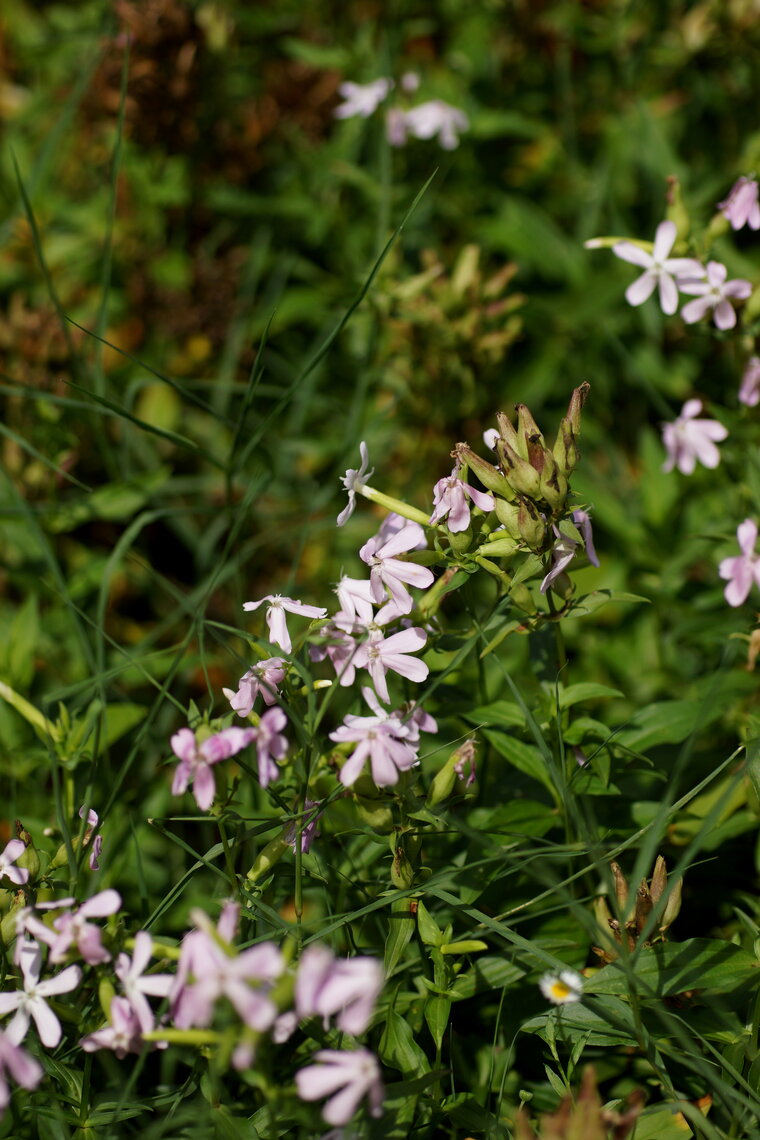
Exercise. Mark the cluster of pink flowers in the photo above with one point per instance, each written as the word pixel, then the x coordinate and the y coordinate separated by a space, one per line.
pixel 685 274
pixel 210 970
pixel 431 119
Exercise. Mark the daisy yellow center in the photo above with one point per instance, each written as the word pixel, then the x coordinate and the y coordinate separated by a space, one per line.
pixel 560 990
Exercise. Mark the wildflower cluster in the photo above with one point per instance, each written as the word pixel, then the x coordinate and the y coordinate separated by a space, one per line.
pixel 431 119
pixel 691 439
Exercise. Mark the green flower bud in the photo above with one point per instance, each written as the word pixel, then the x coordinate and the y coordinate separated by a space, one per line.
pixel 519 473
pixel 491 478
pixel 268 857
pixel 402 872
pixel 508 514
pixel 527 428
pixel 461 541
pixel 531 526
pixel 29 858
pixel 510 436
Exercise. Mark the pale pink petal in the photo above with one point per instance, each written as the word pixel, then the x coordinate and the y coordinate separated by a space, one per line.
pixel 724 315
pixel 627 251
pixel 695 310
pixel 664 239
pixel 641 289
pixel 668 294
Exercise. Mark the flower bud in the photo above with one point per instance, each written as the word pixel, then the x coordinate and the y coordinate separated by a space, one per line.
pixel 402 872
pixel 491 478
pixel 508 514
pixel 29 858
pixel 565 448
pixel 672 906
pixel 461 541
pixel 268 856
pixel 531 525
pixel 509 435
pixel 527 428
pixel 106 994
pixel 519 473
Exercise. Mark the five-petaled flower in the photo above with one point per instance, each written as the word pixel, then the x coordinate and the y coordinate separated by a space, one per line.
pixel 741 207
pixel 659 268
pixel 29 1002
pixel 744 569
pixel 195 759
pixel 276 623
pixel 712 293
pixel 345 1077
pixel 567 986
pixel 689 439
pixel 384 738
pixel 379 654
pixel 346 987
pixel 262 678
pixel 391 573
pixel 450 496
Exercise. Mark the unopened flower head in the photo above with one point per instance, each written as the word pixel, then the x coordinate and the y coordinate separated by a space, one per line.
pixel 688 440
pixel 562 988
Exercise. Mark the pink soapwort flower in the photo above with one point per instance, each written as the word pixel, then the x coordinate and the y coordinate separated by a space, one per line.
pixel 744 569
pixel 348 987
pixel 393 523
pixel 749 392
pixel 345 1077
pixel 361 98
pixel 24 1070
pixel 29 1002
pixel 741 207
pixel 660 269
pixel 415 719
pixel 263 678
pixel 270 744
pixel 339 646
pixel 73 929
pixel 27 923
pixel 97 843
pixel 450 496
pixel 436 118
pixel 379 654
pixel 688 439
pixel 10 853
pixel 309 826
pixel 395 126
pixel 276 623
pixel 712 294
pixel 392 574
pixel 195 760
pixel 244 978
pixel 353 481
pixel 356 600
pixel 122 1035
pixel 136 983
pixel 384 738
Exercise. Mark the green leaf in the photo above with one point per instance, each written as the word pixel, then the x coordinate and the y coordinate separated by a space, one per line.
pixel 570 1022
pixel 586 691
pixel 665 722
pixel 753 763
pixel 437 1010
pixel 662 1125
pixel 427 927
pixel 523 756
pixel 505 713
pixel 401 929
pixel 489 973
pixel 704 964
pixel 399 1049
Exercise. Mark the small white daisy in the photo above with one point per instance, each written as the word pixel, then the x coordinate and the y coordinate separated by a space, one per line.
pixel 561 988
